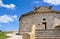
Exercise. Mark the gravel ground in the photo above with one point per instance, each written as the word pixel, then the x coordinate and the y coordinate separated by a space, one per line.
pixel 14 36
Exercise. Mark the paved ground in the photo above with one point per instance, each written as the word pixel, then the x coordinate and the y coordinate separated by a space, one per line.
pixel 14 36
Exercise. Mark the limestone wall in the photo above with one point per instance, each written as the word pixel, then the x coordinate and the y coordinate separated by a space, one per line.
pixel 52 20
pixel 56 21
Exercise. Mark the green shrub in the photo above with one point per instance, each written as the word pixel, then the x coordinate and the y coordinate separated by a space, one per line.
pixel 0 30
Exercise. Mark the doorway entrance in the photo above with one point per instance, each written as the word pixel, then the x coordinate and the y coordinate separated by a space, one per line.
pixel 45 25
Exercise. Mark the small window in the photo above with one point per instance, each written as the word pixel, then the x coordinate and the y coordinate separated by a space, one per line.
pixel 44 19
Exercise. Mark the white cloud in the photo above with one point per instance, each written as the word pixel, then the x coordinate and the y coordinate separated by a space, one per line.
pixel 36 2
pixel 15 17
pixel 8 18
pixel 52 2
pixel 0 25
pixel 11 6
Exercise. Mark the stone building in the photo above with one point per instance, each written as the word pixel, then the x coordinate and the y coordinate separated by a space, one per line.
pixel 44 18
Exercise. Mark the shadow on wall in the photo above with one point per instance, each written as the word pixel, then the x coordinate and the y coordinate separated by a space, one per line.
pixel 57 27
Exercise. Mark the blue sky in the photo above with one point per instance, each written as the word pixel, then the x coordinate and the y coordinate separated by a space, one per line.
pixel 11 10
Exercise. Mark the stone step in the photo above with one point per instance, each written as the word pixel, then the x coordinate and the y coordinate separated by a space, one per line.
pixel 47 38
pixel 47 32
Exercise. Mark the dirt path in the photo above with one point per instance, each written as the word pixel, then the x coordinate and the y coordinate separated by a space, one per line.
pixel 14 36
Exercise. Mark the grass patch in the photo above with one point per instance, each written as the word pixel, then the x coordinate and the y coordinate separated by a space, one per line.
pixel 3 35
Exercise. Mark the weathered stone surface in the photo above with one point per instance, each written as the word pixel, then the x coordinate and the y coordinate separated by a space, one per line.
pixel 52 21
pixel 25 36
pixel 29 35
pixel 43 19
pixel 47 34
